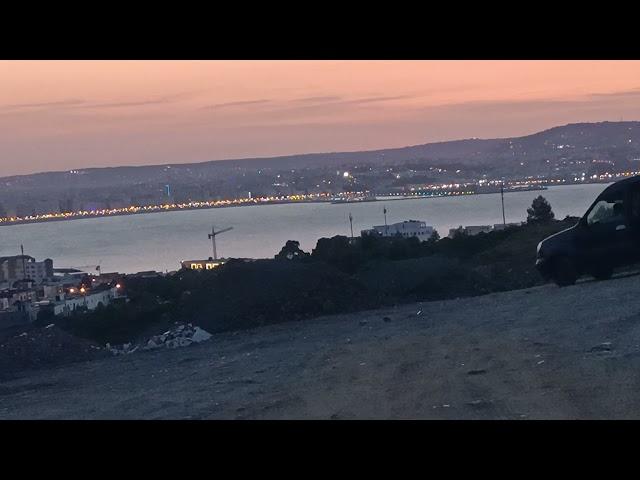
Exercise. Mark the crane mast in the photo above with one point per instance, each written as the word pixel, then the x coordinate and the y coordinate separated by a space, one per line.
pixel 212 237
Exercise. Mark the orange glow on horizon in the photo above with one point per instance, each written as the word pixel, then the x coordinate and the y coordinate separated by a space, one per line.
pixel 60 115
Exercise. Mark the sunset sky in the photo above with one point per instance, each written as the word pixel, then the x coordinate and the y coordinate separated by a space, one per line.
pixel 58 115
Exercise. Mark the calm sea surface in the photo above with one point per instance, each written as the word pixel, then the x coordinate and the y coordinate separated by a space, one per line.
pixel 159 241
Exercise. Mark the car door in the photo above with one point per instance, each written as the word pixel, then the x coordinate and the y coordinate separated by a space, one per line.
pixel 634 221
pixel 607 238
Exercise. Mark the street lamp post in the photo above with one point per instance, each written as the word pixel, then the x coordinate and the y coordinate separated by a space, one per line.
pixel 504 221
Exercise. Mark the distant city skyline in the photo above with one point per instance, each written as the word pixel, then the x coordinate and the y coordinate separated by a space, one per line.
pixel 60 115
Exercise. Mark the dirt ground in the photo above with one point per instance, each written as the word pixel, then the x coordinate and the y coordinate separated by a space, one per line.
pixel 540 353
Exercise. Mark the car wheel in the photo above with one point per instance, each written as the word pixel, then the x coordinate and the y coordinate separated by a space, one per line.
pixel 602 273
pixel 564 272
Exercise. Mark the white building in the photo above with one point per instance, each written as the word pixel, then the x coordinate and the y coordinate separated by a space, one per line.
pixel 51 292
pixel 89 301
pixel 202 264
pixel 39 271
pixel 20 267
pixel 408 228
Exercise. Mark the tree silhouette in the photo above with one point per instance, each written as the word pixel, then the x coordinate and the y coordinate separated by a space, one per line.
pixel 459 232
pixel 540 211
pixel 291 251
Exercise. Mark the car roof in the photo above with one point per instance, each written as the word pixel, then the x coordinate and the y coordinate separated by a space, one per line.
pixel 621 185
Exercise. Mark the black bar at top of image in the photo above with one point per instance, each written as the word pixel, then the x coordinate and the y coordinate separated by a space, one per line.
pixel 462 33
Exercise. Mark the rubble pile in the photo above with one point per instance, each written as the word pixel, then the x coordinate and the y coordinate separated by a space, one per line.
pixel 180 336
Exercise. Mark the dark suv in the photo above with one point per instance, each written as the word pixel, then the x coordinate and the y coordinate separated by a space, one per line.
pixel 608 236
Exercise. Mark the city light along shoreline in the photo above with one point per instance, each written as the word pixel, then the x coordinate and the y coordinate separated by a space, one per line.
pixel 202 205
pixel 301 198
pixel 173 207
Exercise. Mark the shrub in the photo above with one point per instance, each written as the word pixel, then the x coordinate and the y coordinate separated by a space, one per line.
pixel 540 211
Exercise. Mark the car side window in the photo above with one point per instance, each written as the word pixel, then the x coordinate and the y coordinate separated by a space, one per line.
pixel 607 211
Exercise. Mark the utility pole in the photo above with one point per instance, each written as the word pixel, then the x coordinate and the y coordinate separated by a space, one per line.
pixel 504 221
pixel 24 270
pixel 351 223
pixel 386 229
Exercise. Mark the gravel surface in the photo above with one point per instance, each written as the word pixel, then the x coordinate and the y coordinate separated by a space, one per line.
pixel 540 353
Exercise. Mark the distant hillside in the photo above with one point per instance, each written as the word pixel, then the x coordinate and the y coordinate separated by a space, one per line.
pixel 606 140
pixel 569 151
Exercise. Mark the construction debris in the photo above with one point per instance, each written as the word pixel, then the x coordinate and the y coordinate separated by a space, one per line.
pixel 603 347
pixel 180 336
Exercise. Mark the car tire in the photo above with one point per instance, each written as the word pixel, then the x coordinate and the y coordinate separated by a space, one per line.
pixel 602 273
pixel 564 272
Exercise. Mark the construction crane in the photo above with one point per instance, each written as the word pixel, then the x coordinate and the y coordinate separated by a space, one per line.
pixel 212 237
pixel 88 268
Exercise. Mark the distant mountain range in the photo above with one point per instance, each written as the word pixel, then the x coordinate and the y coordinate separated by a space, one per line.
pixel 603 141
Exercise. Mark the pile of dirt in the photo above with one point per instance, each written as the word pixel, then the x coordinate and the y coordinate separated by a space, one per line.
pixel 33 348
